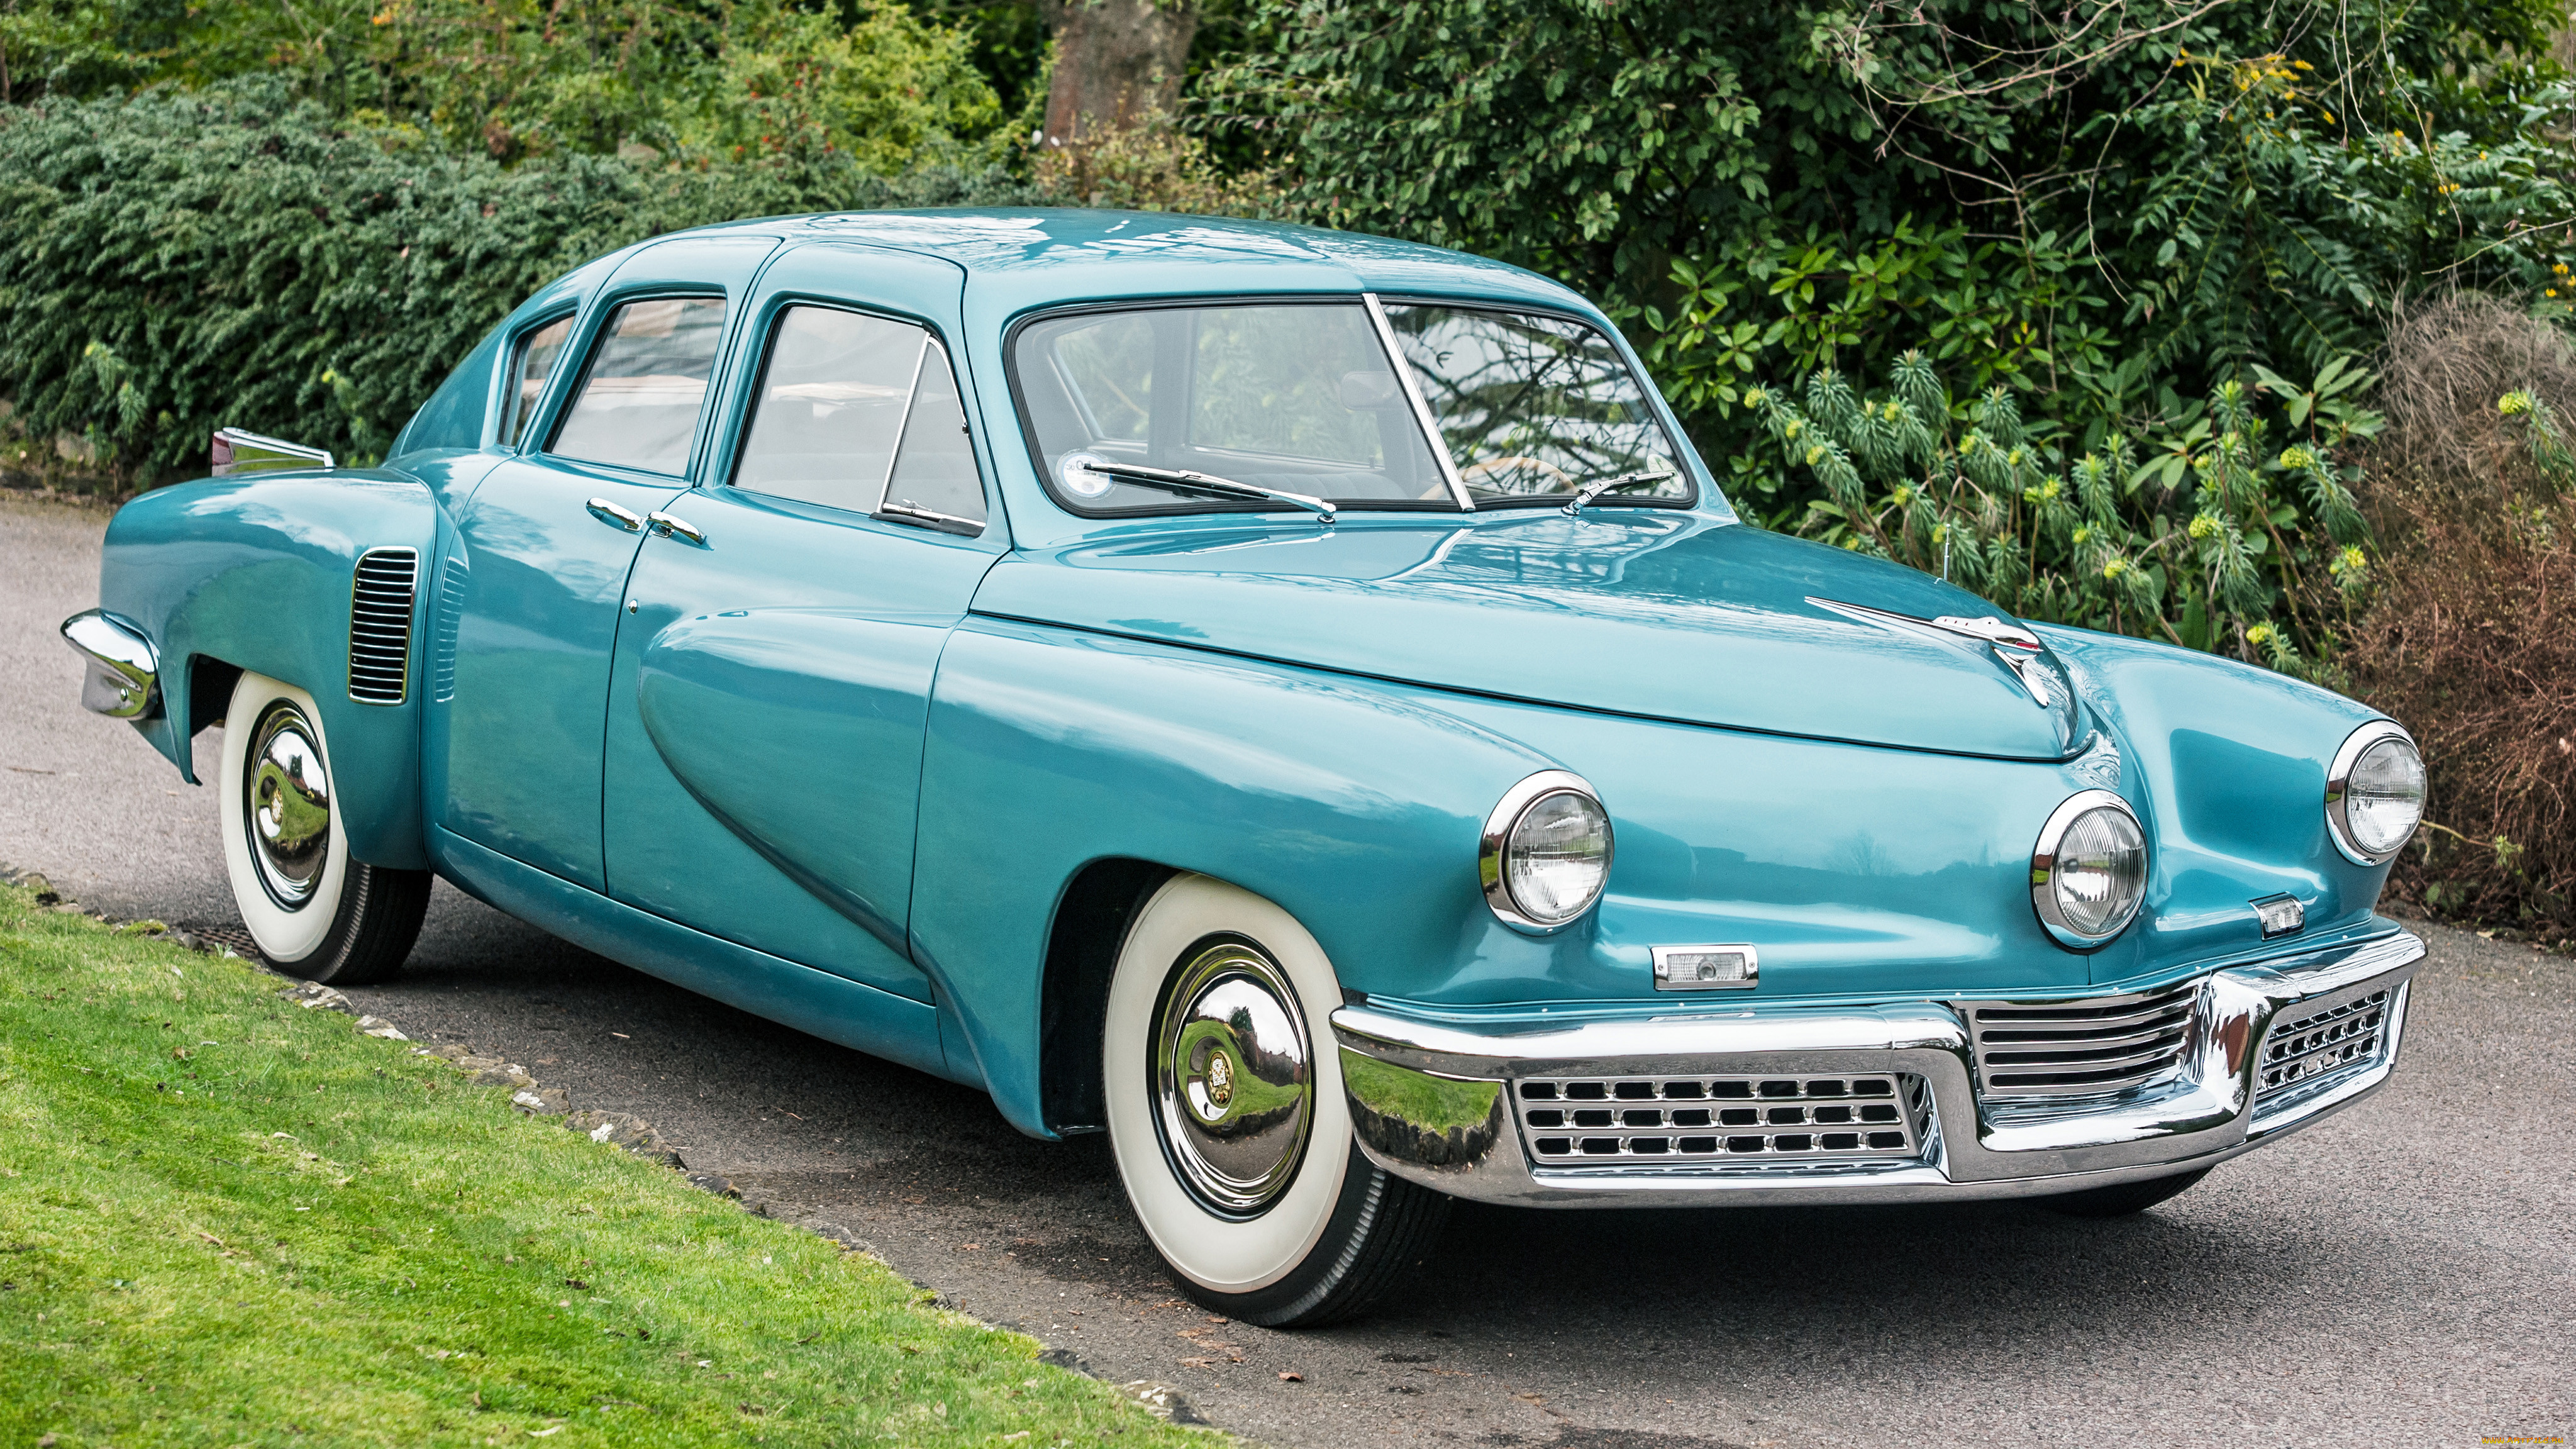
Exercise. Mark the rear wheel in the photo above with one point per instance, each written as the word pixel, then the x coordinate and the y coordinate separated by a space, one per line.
pixel 314 912
pixel 2122 1199
pixel 1227 1119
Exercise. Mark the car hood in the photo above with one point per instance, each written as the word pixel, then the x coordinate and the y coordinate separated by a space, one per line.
pixel 1655 613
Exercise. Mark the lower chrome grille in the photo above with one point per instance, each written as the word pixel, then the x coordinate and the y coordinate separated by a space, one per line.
pixel 2304 1046
pixel 2092 1047
pixel 1573 1120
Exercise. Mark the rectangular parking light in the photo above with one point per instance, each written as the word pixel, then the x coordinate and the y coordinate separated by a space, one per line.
pixel 1706 968
pixel 2280 915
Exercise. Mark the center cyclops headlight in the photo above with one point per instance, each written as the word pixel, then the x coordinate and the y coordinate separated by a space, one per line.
pixel 1546 852
pixel 2089 871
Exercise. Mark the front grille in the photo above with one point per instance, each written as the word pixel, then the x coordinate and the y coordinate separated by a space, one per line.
pixel 380 624
pixel 1574 1120
pixel 2081 1048
pixel 2304 1046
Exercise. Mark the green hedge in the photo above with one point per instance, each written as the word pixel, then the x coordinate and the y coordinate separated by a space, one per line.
pixel 170 264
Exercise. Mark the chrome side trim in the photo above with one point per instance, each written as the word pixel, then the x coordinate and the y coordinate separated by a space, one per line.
pixel 2339 784
pixel 124 676
pixel 1421 406
pixel 1462 1082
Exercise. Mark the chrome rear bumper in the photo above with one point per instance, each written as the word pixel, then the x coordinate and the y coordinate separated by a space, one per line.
pixel 1446 1106
pixel 124 678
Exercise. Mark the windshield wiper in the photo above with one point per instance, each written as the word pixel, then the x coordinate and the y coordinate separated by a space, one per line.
pixel 1583 500
pixel 1176 480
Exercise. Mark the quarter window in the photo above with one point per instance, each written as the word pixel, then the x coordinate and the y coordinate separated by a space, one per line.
pixel 647 383
pixel 532 366
pixel 861 413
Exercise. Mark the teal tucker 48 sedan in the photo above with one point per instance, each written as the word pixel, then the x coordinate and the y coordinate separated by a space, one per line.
pixel 1292 701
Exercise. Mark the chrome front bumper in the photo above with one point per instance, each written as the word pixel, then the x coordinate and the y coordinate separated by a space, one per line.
pixel 1440 1104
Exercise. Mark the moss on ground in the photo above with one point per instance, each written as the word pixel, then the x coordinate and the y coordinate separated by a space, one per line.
pixel 225 1219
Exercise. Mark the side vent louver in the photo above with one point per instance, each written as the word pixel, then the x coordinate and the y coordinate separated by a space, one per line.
pixel 380 624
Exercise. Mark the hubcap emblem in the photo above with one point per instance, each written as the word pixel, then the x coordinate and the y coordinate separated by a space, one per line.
pixel 1220 1080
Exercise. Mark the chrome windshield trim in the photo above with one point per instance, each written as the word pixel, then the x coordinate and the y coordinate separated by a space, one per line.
pixel 1421 407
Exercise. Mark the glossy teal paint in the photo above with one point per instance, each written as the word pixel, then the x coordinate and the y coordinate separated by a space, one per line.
pixel 2227 764
pixel 831 1007
pixel 1641 611
pixel 835 797
pixel 1354 808
pixel 254 571
pixel 765 728
pixel 529 599
pixel 798 645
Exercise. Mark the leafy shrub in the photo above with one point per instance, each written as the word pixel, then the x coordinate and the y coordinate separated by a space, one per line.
pixel 2116 212
pixel 176 263
pixel 2472 643
pixel 2229 520
pixel 516 78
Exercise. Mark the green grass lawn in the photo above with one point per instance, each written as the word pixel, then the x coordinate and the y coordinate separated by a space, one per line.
pixel 225 1219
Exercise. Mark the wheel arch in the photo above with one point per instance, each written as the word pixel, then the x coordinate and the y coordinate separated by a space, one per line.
pixel 257 573
pixel 1091 920
pixel 1062 769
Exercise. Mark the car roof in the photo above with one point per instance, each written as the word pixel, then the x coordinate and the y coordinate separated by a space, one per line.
pixel 1036 255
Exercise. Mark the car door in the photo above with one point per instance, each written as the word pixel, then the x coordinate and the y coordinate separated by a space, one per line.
pixel 773 676
pixel 528 593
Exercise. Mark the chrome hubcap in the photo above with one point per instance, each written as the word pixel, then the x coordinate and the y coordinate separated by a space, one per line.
pixel 289 814
pixel 1234 1078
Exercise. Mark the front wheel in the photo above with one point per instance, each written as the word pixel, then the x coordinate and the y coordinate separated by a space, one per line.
pixel 314 912
pixel 1227 1118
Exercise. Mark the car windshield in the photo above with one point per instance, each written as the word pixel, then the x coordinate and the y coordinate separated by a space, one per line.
pixel 1302 397
pixel 1532 406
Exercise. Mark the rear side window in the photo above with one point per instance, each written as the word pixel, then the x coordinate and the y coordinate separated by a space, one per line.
pixel 639 402
pixel 861 413
pixel 532 366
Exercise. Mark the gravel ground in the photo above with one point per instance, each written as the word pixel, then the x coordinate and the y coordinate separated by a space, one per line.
pixel 2401 1273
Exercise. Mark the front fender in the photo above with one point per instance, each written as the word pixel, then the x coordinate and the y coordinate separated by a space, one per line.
pixel 255 572
pixel 1355 810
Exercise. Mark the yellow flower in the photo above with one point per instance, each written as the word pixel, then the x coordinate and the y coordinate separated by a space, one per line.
pixel 2203 526
pixel 2296 457
pixel 2259 634
pixel 2113 568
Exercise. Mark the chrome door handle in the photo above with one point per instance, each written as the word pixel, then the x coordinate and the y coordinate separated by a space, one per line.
pixel 614 516
pixel 671 527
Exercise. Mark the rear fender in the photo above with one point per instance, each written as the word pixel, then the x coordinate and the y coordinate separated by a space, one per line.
pixel 256 573
pixel 1355 810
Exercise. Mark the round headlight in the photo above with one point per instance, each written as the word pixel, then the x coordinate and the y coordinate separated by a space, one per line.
pixel 2088 873
pixel 1546 851
pixel 2374 793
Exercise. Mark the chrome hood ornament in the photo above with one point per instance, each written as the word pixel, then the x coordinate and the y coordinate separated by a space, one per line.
pixel 2018 650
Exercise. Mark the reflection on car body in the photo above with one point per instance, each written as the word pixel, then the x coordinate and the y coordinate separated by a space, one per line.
pixel 1292 701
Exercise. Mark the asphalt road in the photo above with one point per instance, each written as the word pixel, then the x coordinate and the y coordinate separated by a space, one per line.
pixel 2404 1273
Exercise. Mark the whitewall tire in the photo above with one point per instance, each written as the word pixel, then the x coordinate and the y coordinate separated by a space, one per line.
pixel 313 911
pixel 1226 1116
